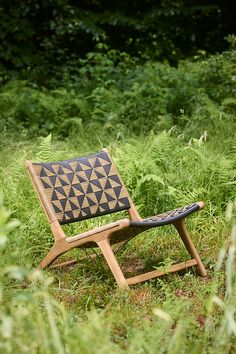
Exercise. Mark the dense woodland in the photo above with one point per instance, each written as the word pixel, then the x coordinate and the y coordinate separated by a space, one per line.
pixel 77 76
pixel 58 33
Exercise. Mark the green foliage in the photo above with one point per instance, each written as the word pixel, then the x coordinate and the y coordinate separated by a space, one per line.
pixel 45 148
pixel 40 111
pixel 218 73
pixel 42 36
pixel 110 89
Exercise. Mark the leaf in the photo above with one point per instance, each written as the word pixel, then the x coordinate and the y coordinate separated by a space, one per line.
pixel 45 148
pixel 147 178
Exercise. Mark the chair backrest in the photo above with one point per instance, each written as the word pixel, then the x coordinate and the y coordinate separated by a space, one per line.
pixel 82 188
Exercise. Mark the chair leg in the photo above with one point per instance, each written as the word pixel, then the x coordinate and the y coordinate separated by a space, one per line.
pixel 108 254
pixel 52 255
pixel 182 230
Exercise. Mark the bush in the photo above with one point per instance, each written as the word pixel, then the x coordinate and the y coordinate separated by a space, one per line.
pixel 110 89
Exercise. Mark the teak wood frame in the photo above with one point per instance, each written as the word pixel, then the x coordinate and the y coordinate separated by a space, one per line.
pixel 101 236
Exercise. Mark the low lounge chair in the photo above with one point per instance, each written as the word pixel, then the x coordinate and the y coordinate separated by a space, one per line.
pixel 88 187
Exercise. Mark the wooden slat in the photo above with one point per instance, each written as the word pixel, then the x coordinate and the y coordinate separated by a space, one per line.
pixel 62 264
pixel 158 273
pixel 73 261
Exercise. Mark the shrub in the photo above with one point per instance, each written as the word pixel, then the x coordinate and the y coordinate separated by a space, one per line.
pixel 111 91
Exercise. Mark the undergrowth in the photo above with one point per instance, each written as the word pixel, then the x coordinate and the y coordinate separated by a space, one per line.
pixel 196 96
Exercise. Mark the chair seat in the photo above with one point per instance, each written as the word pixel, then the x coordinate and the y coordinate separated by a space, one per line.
pixel 168 217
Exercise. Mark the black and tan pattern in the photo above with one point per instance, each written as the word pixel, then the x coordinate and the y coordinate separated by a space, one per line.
pixel 82 188
pixel 167 217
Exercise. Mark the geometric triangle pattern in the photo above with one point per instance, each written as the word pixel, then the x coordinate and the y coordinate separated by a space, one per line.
pixel 174 214
pixel 168 217
pixel 83 187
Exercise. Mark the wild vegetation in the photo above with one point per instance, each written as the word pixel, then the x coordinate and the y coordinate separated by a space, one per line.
pixel 52 34
pixel 111 90
pixel 172 132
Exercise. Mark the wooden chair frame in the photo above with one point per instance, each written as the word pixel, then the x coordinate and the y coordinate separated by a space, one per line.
pixel 103 236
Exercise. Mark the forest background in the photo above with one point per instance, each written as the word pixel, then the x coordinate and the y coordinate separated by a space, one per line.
pixel 79 76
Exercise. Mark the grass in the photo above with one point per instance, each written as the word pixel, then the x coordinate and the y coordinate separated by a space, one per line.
pixel 79 309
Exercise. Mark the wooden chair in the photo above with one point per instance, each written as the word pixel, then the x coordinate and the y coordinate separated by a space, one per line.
pixel 91 186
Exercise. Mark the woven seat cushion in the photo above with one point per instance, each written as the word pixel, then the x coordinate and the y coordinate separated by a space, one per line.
pixel 168 217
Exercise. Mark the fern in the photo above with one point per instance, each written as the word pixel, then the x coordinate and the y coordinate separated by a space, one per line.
pixel 45 148
pixel 143 181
